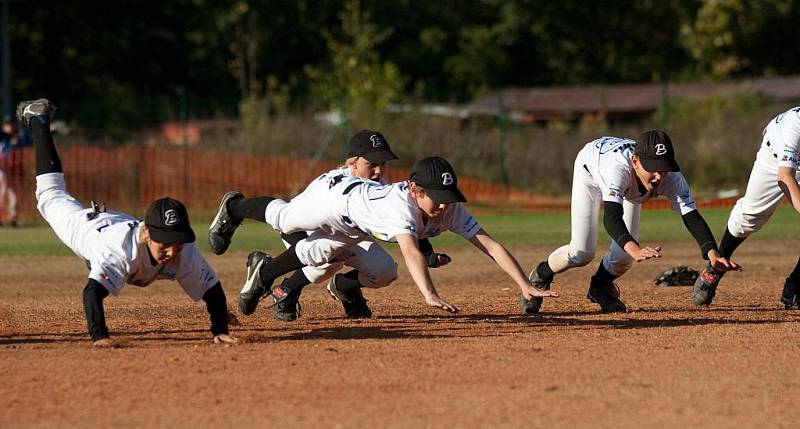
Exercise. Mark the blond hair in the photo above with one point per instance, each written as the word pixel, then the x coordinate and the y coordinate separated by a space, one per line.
pixel 349 161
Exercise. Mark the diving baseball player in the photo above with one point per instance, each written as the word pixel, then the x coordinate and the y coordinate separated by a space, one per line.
pixel 622 174
pixel 774 176
pixel 368 152
pixel 118 248
pixel 343 210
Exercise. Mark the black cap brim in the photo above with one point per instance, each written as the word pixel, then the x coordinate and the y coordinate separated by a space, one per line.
pixel 653 165
pixel 446 196
pixel 379 156
pixel 171 237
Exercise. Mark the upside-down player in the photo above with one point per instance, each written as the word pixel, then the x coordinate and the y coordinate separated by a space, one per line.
pixel 116 247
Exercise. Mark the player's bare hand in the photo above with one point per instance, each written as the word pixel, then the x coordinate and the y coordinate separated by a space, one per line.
pixel 722 264
pixel 435 301
pixel 103 343
pixel 646 253
pixel 225 339
pixel 535 292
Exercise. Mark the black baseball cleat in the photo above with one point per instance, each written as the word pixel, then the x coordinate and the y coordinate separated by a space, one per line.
pixel 532 306
pixel 705 287
pixel 288 309
pixel 355 305
pixel 789 297
pixel 255 289
pixel 607 296
pixel 224 225
pixel 27 110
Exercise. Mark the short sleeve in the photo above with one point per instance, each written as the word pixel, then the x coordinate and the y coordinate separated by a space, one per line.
pixel 110 272
pixel 463 223
pixel 613 182
pixel 676 189
pixel 194 274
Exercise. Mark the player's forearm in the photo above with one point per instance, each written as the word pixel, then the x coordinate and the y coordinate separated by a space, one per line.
pixel 503 258
pixel 699 229
pixel 93 295
pixel 614 224
pixel 217 308
pixel 788 183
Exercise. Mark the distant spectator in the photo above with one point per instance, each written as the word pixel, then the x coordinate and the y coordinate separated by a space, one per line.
pixel 11 169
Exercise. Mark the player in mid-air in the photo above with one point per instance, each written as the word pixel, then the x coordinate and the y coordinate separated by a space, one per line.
pixel 343 210
pixel 116 247
pixel 367 155
pixel 622 174
pixel 774 176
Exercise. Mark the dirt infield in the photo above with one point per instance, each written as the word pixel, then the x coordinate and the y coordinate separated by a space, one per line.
pixel 665 363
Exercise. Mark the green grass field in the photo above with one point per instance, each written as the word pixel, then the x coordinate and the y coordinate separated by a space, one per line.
pixel 510 229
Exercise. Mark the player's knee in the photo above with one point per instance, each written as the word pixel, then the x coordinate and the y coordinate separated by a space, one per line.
pixel 381 278
pixel 322 273
pixel 581 258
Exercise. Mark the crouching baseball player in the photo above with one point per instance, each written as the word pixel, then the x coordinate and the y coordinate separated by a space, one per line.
pixel 622 174
pixel 368 153
pixel 343 210
pixel 118 248
pixel 774 176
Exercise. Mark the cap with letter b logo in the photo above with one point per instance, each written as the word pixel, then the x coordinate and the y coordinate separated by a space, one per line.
pixel 655 152
pixel 168 222
pixel 437 177
pixel 370 145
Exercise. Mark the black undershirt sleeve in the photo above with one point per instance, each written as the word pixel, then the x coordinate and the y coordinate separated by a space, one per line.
pixel 699 229
pixel 615 226
pixel 93 295
pixel 217 309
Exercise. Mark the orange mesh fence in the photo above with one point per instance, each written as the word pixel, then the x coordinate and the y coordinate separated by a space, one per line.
pixel 128 178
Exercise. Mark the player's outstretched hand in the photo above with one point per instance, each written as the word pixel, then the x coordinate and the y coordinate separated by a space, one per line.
pixel 646 252
pixel 722 264
pixel 435 301
pixel 225 339
pixel 534 292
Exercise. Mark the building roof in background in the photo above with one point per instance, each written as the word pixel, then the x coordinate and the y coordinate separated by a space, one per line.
pixel 545 103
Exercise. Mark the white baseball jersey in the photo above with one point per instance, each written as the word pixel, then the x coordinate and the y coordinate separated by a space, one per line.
pixel 608 161
pixel 385 211
pixel 342 210
pixel 109 243
pixel 375 266
pixel 782 139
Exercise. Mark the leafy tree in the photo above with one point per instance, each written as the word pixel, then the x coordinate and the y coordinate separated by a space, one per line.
pixel 356 81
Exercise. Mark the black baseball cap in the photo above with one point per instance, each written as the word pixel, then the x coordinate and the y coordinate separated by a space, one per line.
pixel 439 180
pixel 370 145
pixel 168 222
pixel 654 150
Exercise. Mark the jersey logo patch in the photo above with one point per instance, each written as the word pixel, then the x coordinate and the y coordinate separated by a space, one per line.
pixel 171 217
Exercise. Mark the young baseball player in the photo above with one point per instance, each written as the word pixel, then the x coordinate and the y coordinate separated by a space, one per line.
pixel 774 176
pixel 116 247
pixel 622 174
pixel 368 152
pixel 343 210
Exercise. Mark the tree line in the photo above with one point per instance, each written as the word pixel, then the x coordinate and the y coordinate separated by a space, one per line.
pixel 129 63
